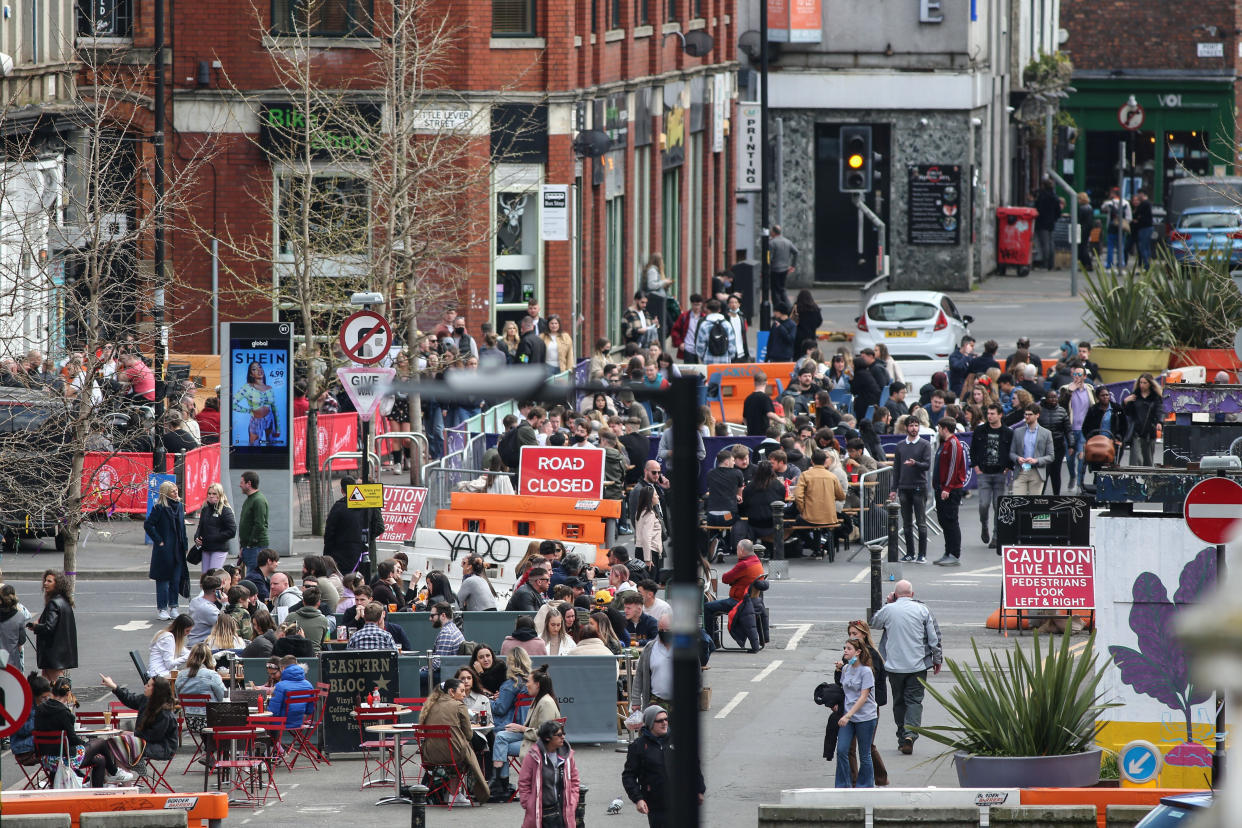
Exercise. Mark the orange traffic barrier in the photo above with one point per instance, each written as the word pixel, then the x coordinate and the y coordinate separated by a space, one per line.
pixel 1011 619
pixel 737 382
pixel 204 809
pixel 545 518
pixel 1099 798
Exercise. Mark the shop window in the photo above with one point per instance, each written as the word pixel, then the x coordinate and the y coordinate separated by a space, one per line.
pixel 339 217
pixel 321 18
pixel 513 18
pixel 516 251
pixel 102 18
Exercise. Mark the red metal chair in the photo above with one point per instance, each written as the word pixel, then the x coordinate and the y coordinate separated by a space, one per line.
pixel 415 704
pixel 378 752
pixel 304 737
pixel 32 769
pixel 454 782
pixel 190 704
pixel 90 717
pixel 245 768
pixel 47 746
pixel 271 737
pixel 153 775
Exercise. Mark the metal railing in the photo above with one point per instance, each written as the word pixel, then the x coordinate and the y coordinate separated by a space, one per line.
pixel 874 490
pixel 441 482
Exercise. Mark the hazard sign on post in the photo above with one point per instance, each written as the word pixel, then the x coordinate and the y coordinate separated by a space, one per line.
pixel 366 388
pixel 15 700
pixel 365 496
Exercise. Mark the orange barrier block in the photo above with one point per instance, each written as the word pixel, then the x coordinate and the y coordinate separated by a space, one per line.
pixel 205 809
pixel 1099 798
pixel 1011 621
pixel 737 382
pixel 545 518
pixel 519 504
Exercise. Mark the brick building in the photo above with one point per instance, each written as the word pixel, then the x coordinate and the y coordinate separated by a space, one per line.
pixel 562 67
pixel 1171 78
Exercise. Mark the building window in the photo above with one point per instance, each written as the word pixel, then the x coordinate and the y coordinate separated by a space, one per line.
pixel 642 12
pixel 614 14
pixel 321 18
pixel 698 9
pixel 673 17
pixel 513 18
pixel 339 217
pixel 105 18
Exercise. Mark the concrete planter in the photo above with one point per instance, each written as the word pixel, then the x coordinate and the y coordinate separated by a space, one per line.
pixel 1125 364
pixel 1076 770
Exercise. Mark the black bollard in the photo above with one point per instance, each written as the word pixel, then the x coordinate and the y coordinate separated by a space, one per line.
pixel 778 531
pixel 894 510
pixel 418 805
pixel 877 576
pixel 580 813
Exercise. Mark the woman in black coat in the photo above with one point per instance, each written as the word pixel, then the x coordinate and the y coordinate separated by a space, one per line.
pixel 166 528
pixel 154 736
pixel 56 631
pixel 809 319
pixel 217 525
pixel 1144 409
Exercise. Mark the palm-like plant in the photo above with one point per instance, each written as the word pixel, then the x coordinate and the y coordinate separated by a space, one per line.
pixel 1124 310
pixel 1019 706
pixel 1197 298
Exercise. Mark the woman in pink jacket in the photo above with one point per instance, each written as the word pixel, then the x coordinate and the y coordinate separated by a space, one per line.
pixel 548 783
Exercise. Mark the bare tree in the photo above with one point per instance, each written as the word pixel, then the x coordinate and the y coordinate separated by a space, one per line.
pixel 75 246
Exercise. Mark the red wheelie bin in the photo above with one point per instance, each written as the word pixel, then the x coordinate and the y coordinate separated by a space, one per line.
pixel 1015 230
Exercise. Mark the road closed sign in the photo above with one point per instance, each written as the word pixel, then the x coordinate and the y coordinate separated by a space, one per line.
pixel 1049 577
pixel 562 472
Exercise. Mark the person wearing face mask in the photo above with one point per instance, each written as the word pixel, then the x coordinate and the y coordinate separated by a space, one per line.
pixel 653 678
pixel 860 717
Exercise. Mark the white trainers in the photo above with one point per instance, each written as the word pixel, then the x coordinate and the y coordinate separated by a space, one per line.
pixel 165 615
pixel 121 777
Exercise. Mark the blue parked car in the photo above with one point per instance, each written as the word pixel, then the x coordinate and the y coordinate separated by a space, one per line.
pixel 1203 229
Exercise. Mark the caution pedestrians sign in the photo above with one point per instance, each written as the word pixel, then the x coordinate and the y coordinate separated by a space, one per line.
pixel 365 496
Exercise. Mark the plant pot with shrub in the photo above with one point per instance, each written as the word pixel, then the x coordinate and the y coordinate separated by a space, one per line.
pixel 1023 720
pixel 1128 320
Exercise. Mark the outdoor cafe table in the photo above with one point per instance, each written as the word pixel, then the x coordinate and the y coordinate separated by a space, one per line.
pixel 398 732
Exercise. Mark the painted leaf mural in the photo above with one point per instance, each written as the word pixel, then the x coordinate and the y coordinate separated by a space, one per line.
pixel 1158 668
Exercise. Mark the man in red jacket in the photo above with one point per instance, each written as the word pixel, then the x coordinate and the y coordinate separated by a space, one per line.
pixel 686 329
pixel 950 478
pixel 744 573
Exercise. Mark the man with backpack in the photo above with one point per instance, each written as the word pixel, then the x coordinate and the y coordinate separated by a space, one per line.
pixel 715 341
pixel 526 434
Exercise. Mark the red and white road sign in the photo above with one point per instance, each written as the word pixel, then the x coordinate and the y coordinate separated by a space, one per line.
pixel 562 472
pixel 1048 577
pixel 402 506
pixel 366 388
pixel 15 700
pixel 1213 509
pixel 366 337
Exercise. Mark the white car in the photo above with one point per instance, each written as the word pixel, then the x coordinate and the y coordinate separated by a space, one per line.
pixel 914 324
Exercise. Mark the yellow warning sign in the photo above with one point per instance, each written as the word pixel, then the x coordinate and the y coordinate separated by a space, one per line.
pixel 365 496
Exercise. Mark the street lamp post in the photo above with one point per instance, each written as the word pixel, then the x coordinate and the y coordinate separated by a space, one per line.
pixel 157 308
pixel 765 176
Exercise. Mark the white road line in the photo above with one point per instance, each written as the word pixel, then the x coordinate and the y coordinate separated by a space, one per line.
pixel 987 570
pixel 803 629
pixel 767 671
pixel 734 702
pixel 861 576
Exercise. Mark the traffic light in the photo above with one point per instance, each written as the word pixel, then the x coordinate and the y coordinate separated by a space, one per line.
pixel 856 159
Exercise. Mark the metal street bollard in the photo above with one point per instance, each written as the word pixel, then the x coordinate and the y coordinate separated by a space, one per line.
pixel 778 531
pixel 418 805
pixel 877 577
pixel 894 510
pixel 580 813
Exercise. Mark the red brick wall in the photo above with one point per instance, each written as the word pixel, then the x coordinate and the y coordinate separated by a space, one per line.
pixel 1123 34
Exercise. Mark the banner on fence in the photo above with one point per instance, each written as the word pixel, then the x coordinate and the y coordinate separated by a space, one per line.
pixel 202 468
pixel 402 506
pixel 115 482
pixel 336 433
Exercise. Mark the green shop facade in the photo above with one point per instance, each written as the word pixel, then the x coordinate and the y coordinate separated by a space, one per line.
pixel 1179 125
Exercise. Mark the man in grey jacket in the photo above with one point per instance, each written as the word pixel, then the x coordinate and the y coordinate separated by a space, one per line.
pixel 910 646
pixel 1031 451
pixel 784 255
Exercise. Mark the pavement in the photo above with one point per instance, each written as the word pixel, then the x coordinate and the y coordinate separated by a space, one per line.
pixel 763 732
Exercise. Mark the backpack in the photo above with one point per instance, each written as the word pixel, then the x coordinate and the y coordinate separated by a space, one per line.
pixel 509 448
pixel 718 339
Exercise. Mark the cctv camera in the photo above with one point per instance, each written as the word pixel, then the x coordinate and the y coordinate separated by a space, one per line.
pixel 366 298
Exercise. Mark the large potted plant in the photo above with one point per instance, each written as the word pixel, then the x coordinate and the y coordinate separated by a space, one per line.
pixel 1202 307
pixel 1129 322
pixel 1022 721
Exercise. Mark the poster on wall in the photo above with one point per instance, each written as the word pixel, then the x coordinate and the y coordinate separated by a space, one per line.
pixel 805 21
pixel 778 21
pixel 934 204
pixel 676 104
pixel 260 385
pixel 749 154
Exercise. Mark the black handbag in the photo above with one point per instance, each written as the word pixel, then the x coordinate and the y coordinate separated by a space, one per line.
pixel 195 555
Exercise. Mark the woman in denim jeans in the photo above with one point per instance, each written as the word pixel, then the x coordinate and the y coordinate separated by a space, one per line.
pixel 860 717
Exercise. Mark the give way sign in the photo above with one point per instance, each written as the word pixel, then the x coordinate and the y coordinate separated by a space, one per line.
pixel 15 700
pixel 1213 510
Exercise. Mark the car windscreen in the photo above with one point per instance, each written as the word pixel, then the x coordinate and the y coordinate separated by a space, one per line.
pixel 1169 816
pixel 1208 221
pixel 901 311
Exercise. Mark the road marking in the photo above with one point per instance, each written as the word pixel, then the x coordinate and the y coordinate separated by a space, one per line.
pixel 990 571
pixel 1074 648
pixel 861 576
pixel 803 629
pixel 767 671
pixel 132 626
pixel 734 702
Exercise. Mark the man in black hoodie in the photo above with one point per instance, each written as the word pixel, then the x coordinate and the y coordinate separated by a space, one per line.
pixel 347 532
pixel 989 447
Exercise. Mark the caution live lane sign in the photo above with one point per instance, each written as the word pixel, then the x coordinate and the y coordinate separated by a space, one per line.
pixel 365 496
pixel 1049 577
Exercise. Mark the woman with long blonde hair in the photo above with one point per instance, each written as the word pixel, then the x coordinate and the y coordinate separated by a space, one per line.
pixel 224 635
pixel 169 544
pixel 217 525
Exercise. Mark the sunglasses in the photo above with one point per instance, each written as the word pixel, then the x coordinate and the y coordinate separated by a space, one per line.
pixel 660 720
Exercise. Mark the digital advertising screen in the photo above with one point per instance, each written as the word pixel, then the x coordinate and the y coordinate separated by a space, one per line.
pixel 260 421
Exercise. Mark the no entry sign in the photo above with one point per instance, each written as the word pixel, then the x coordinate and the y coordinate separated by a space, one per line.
pixel 402 506
pixel 1049 577
pixel 1213 509
pixel 15 700
pixel 562 472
